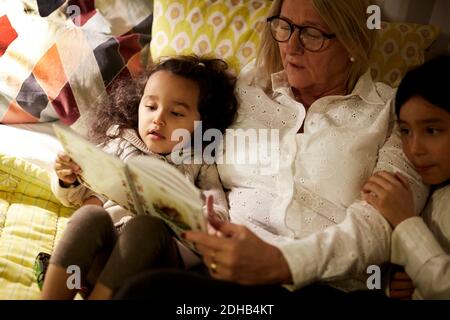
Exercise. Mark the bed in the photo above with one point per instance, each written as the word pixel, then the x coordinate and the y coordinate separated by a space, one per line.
pixel 57 58
pixel 60 80
pixel 31 218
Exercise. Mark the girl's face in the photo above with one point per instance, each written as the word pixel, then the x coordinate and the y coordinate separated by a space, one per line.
pixel 425 131
pixel 169 102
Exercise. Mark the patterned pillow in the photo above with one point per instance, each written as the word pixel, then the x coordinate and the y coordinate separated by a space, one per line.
pixel 229 29
pixel 399 47
pixel 58 57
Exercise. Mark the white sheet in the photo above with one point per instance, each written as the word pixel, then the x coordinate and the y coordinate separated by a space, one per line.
pixel 35 143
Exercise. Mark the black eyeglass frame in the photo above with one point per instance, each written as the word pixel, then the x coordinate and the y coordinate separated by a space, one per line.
pixel 293 26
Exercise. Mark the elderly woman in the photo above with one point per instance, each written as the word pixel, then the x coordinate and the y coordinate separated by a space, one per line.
pixel 304 222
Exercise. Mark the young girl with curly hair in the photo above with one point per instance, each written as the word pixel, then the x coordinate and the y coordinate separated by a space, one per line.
pixel 104 240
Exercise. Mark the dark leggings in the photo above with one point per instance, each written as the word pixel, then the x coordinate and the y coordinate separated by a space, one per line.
pixel 91 242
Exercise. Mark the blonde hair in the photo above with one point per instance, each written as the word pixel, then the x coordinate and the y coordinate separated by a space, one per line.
pixel 345 18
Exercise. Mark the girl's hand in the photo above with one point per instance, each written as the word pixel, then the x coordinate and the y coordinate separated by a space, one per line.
pixel 240 256
pixel 391 195
pixel 401 286
pixel 66 169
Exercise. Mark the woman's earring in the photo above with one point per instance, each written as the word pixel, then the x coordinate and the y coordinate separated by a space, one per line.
pixel 352 59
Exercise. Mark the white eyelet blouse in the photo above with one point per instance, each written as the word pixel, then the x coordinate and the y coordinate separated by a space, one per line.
pixel 308 202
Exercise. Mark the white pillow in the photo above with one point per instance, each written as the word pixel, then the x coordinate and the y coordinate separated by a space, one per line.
pixel 35 143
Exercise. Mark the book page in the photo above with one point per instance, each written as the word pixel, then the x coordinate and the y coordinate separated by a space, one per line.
pixel 101 172
pixel 173 197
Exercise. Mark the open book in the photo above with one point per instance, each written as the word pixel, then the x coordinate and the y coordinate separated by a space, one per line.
pixel 142 185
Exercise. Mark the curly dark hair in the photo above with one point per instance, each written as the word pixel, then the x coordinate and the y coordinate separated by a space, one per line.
pixel 217 101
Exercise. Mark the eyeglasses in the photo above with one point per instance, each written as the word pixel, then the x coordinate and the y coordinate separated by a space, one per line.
pixel 311 39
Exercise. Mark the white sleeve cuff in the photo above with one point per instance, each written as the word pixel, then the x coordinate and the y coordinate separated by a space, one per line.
pixel 62 194
pixel 413 245
pixel 72 196
pixel 293 253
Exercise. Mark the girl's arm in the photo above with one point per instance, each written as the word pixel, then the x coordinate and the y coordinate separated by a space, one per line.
pixel 426 254
pixel 413 244
pixel 428 265
pixel 65 185
pixel 75 195
pixel 391 195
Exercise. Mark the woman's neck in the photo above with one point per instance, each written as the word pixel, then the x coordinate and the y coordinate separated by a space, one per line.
pixel 308 96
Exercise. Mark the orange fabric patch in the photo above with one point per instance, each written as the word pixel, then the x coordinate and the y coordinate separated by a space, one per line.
pixel 49 73
pixel 15 114
pixel 134 64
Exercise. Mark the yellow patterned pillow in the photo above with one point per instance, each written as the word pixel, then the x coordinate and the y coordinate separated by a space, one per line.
pixel 228 29
pixel 400 46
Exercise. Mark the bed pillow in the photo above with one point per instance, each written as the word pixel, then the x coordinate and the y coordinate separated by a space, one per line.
pixel 34 142
pixel 229 29
pixel 398 47
pixel 58 57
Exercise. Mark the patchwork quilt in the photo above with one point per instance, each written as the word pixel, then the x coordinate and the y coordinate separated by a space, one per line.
pixel 58 57
pixel 31 221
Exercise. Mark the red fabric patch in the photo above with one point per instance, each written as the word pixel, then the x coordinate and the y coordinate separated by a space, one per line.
pixel 7 34
pixel 128 46
pixel 66 106
pixel 87 11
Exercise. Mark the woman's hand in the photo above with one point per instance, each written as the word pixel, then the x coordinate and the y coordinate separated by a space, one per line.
pixel 240 256
pixel 66 169
pixel 401 286
pixel 212 217
pixel 391 195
